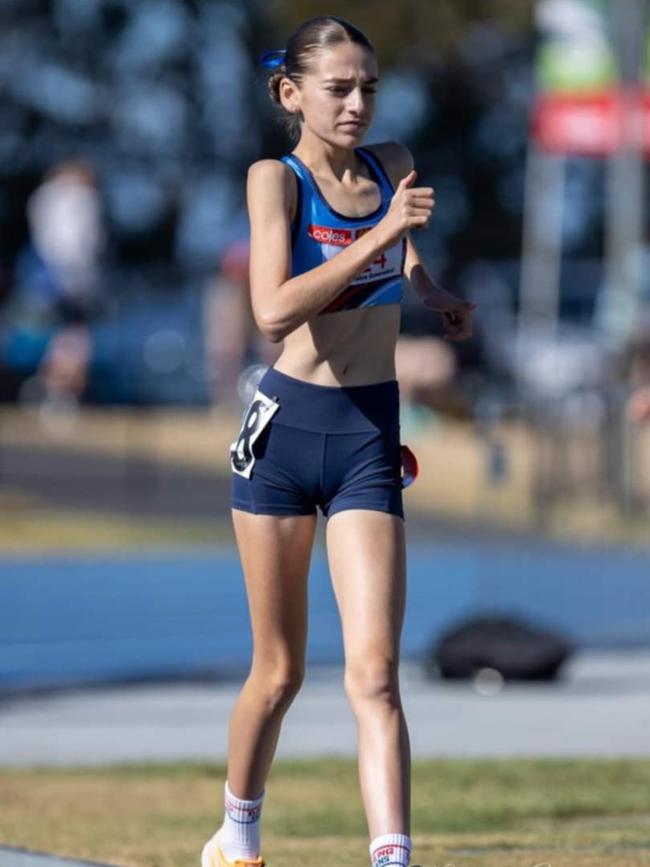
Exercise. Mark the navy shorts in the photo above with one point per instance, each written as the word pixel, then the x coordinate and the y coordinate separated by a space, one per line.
pixel 303 445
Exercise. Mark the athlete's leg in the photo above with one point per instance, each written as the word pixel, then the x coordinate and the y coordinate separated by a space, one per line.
pixel 275 553
pixel 367 560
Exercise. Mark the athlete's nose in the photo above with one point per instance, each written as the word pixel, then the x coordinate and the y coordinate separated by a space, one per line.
pixel 356 101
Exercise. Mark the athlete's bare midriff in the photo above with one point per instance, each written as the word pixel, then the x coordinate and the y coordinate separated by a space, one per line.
pixel 348 347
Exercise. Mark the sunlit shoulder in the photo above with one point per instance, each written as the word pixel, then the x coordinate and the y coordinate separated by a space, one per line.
pixel 271 180
pixel 267 169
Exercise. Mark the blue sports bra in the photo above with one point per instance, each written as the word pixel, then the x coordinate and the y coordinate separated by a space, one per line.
pixel 318 232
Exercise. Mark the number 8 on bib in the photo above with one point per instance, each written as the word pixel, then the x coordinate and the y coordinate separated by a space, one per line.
pixel 260 411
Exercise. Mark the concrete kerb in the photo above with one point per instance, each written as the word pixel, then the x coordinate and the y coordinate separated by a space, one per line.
pixel 13 857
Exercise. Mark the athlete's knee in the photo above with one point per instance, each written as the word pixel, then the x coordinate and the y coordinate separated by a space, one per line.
pixel 372 678
pixel 277 683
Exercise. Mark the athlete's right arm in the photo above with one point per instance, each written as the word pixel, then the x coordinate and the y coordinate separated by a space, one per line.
pixel 280 302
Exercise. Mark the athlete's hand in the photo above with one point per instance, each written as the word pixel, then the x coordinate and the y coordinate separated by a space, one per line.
pixel 456 315
pixel 410 208
pixel 456 312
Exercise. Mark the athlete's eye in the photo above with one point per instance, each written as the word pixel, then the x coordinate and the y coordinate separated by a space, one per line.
pixel 344 90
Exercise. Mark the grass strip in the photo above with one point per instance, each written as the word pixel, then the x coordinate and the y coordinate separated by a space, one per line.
pixel 498 812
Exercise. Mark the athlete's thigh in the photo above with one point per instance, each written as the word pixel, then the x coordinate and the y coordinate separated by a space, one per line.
pixel 275 552
pixel 367 560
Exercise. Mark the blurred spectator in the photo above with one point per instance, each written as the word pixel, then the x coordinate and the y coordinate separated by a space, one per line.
pixel 425 367
pixel 638 405
pixel 232 339
pixel 58 287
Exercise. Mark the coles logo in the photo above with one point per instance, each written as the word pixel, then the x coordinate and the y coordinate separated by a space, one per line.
pixel 328 235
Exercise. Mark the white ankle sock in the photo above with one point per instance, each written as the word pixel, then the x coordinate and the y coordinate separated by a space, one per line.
pixel 388 849
pixel 240 832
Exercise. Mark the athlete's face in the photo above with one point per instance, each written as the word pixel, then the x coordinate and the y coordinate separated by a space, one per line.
pixel 337 97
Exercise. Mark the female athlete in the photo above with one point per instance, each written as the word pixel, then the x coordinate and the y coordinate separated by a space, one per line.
pixel 330 241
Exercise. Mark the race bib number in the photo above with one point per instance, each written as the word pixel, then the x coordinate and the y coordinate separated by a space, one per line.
pixel 260 411
pixel 332 241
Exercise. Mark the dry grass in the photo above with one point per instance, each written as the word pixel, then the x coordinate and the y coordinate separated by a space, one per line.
pixel 502 813
pixel 47 530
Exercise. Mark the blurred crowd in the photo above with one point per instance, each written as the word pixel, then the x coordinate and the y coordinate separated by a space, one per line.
pixel 126 132
pixel 58 287
pixel 60 294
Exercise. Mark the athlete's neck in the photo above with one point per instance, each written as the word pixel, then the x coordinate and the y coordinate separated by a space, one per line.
pixel 326 160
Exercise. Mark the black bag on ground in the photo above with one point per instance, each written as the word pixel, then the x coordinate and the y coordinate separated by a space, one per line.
pixel 515 649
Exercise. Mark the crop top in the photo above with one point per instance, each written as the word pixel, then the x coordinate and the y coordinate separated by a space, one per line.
pixel 318 232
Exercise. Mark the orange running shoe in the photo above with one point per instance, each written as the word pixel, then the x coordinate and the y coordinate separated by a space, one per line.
pixel 212 856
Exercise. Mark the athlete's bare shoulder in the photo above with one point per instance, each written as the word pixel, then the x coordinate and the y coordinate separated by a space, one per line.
pixel 395 157
pixel 273 179
pixel 269 168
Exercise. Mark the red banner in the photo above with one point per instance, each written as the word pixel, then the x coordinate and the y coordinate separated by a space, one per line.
pixel 595 124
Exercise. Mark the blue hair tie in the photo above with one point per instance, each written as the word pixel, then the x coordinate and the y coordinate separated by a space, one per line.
pixel 273 58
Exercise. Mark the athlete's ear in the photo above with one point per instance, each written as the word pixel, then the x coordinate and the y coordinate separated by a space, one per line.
pixel 284 92
pixel 288 91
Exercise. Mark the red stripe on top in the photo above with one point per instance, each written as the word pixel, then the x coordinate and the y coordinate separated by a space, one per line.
pixel 389 846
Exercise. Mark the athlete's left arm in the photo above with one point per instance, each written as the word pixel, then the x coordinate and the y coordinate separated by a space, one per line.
pixel 456 313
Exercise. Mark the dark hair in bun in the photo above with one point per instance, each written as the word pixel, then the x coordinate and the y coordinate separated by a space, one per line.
pixel 312 35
